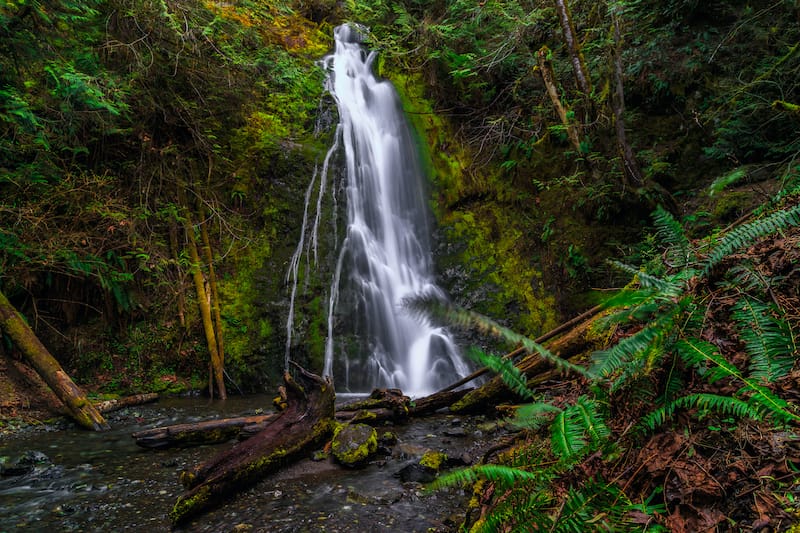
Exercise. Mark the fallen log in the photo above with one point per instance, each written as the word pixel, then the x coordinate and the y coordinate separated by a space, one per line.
pixel 108 406
pixel 72 396
pixel 198 433
pixel 306 423
pixel 575 342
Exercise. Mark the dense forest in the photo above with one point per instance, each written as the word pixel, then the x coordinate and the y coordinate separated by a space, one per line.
pixel 639 157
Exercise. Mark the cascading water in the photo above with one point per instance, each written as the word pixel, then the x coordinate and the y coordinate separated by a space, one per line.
pixel 385 255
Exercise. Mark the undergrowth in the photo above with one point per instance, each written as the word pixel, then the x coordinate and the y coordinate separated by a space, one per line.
pixel 703 340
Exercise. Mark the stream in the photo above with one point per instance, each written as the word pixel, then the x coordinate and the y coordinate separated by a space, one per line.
pixel 103 482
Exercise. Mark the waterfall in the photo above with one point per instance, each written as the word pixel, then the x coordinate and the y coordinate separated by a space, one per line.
pixel 385 254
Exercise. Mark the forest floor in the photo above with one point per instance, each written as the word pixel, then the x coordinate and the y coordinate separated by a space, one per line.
pixel 24 398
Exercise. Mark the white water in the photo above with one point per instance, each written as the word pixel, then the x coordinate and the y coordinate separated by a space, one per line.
pixel 385 256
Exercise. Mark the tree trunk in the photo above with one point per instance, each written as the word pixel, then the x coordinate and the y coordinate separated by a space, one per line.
pixel 618 105
pixel 212 283
pixel 82 410
pixel 305 424
pixel 582 77
pixel 197 433
pixel 204 302
pixel 109 406
pixel 546 70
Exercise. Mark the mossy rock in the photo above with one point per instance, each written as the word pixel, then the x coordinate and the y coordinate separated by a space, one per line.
pixel 353 444
pixel 433 460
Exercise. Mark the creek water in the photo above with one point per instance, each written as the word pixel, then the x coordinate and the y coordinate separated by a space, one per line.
pixel 385 255
pixel 103 482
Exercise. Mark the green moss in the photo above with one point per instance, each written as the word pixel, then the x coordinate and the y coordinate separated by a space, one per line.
pixel 353 444
pixel 433 460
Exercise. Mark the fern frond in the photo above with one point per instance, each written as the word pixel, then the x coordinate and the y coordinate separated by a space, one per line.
pixel 765 339
pixel 664 287
pixel 636 347
pixel 596 506
pixel 696 352
pixel 724 405
pixel 504 476
pixel 671 233
pixel 576 428
pixel 567 436
pixel 533 415
pixel 588 412
pixel 505 368
pixel 747 234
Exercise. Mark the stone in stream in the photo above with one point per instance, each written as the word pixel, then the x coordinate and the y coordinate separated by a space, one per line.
pixel 354 444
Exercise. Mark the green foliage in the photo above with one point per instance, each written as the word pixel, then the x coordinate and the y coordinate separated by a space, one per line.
pixel 769 340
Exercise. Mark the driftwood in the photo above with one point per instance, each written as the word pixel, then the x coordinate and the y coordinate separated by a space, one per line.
pixel 108 406
pixel 72 396
pixel 305 424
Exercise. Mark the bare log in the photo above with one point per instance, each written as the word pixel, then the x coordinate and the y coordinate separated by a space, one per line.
pixel 108 406
pixel 304 425
pixel 72 396
pixel 197 433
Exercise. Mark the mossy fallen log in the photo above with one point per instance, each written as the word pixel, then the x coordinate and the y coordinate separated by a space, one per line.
pixel 72 396
pixel 572 345
pixel 305 424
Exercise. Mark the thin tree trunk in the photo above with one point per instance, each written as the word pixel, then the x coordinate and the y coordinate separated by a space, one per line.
pixel 546 70
pixel 83 411
pixel 212 283
pixel 582 77
pixel 203 301
pixel 173 242
pixel 618 105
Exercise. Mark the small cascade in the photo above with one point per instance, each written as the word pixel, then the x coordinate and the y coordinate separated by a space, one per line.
pixel 385 255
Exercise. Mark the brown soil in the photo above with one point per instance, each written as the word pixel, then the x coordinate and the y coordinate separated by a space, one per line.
pixel 24 397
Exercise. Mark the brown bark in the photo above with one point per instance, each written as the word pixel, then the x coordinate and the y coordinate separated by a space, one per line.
pixel 306 423
pixel 82 410
pixel 197 433
pixel 546 70
pixel 582 77
pixel 173 242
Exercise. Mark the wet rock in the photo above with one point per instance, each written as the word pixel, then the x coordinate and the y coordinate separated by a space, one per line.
pixel 455 432
pixel 354 444
pixel 25 464
pixel 415 472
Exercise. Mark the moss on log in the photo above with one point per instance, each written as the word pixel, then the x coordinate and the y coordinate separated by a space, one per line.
pixel 305 424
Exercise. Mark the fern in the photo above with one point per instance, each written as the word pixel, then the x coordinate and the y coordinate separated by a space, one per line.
pixel 747 234
pixel 662 287
pixel 699 353
pixel 503 476
pixel 634 349
pixel 670 232
pixel 577 429
pixel 505 368
pixel 768 341
pixel 724 405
